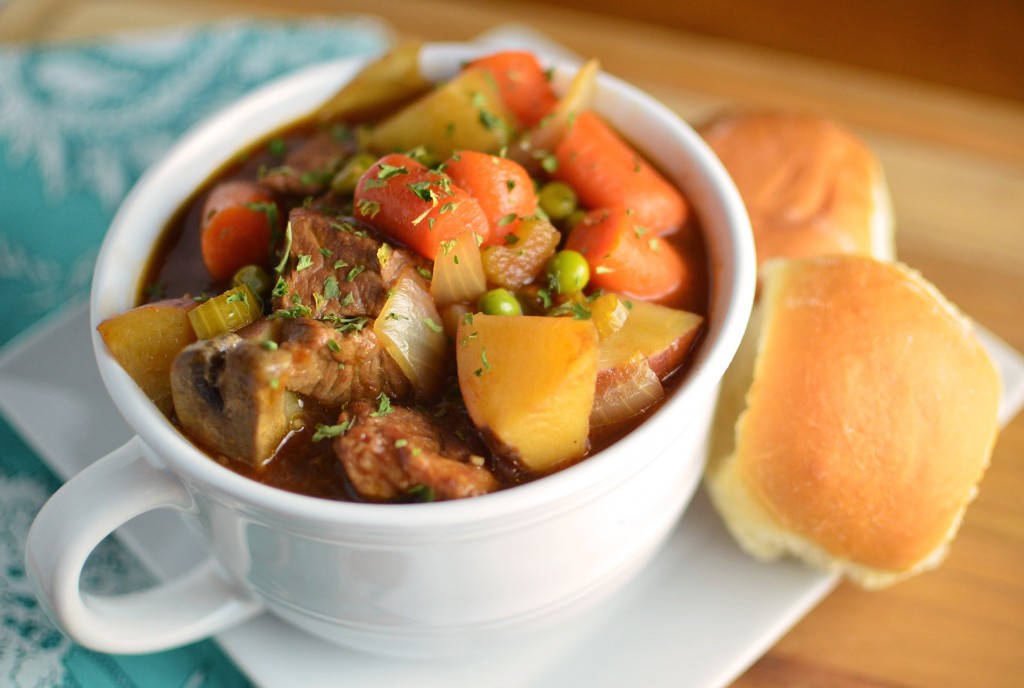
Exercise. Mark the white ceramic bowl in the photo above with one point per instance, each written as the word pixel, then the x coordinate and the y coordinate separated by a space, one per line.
pixel 409 580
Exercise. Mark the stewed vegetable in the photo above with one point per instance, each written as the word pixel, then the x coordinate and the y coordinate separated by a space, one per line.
pixel 453 295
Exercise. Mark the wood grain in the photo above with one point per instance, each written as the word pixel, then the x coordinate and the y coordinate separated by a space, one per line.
pixel 955 164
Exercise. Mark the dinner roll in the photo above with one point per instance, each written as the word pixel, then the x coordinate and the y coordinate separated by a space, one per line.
pixel 810 186
pixel 856 421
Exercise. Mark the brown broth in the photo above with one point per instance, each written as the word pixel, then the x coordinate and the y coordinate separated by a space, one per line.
pixel 301 465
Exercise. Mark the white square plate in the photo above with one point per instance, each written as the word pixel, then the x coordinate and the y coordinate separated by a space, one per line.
pixel 702 610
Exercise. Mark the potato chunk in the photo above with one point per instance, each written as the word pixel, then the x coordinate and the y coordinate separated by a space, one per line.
pixel 528 383
pixel 464 113
pixel 145 340
pixel 660 334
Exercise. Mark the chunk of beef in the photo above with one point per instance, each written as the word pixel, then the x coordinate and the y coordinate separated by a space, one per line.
pixel 336 367
pixel 337 268
pixel 229 395
pixel 389 456
pixel 309 168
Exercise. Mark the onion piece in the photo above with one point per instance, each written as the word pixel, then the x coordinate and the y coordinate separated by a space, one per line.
pixel 409 328
pixel 540 141
pixel 609 313
pixel 458 271
pixel 625 391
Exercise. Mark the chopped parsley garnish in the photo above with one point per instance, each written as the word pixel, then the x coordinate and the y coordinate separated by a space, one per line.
pixel 268 209
pixel 422 493
pixel 387 171
pixel 486 364
pixel 331 290
pixel 277 146
pixel 354 272
pixel 299 311
pixel 333 345
pixel 286 251
pixel 368 208
pixel 352 323
pixel 432 326
pixel 383 406
pixel 324 432
pixel 305 261
pixel 422 191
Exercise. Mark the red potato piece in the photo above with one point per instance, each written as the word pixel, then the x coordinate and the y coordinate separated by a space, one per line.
pixel 607 172
pixel 662 335
pixel 145 340
pixel 416 206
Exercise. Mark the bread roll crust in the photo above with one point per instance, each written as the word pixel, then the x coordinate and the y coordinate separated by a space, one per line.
pixel 869 422
pixel 810 186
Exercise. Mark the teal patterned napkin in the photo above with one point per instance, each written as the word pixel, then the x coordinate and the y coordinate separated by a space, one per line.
pixel 78 124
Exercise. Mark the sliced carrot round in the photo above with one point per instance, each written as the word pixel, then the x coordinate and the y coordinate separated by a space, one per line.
pixel 235 237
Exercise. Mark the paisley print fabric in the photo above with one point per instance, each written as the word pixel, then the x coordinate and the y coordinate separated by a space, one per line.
pixel 78 124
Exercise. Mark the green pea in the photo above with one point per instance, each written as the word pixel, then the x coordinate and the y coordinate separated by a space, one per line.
pixel 568 272
pixel 499 302
pixel 557 199
pixel 344 182
pixel 256 277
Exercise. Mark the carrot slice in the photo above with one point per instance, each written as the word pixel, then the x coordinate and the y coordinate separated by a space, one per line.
pixel 502 187
pixel 230 193
pixel 627 259
pixel 608 173
pixel 416 206
pixel 522 83
pixel 234 237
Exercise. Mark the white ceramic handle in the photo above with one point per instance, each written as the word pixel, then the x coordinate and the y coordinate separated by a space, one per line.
pixel 107 494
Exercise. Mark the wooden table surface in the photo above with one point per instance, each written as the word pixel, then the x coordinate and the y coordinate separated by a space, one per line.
pixel 955 165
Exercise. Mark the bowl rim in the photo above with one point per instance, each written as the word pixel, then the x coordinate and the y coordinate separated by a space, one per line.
pixel 729 310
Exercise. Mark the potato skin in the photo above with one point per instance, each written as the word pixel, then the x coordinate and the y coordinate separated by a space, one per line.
pixel 146 339
pixel 660 334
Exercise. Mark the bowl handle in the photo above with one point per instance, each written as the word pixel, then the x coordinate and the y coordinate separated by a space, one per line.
pixel 107 494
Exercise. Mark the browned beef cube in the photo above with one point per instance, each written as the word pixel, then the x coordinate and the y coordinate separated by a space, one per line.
pixel 393 453
pixel 308 170
pixel 333 270
pixel 335 367
pixel 337 268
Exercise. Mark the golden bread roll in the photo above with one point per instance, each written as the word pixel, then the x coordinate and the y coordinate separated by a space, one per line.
pixel 856 421
pixel 810 186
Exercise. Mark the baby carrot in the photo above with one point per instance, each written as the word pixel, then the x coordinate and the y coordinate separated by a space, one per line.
pixel 608 173
pixel 502 187
pixel 522 83
pixel 237 223
pixel 416 206
pixel 627 259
